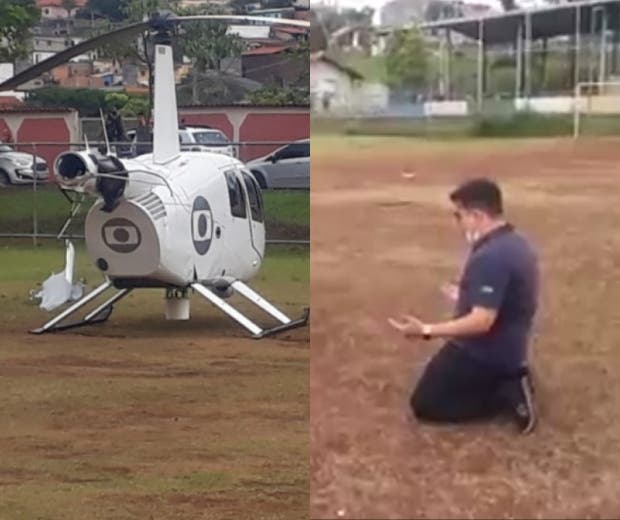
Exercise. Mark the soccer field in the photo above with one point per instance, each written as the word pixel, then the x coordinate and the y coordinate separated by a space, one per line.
pixel 382 244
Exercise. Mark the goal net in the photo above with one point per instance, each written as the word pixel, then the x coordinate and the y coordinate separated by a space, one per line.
pixel 596 108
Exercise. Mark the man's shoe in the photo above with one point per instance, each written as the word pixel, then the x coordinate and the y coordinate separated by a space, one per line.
pixel 519 394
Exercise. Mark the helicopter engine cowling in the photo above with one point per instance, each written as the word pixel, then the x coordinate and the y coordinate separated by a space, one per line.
pixel 76 171
pixel 97 174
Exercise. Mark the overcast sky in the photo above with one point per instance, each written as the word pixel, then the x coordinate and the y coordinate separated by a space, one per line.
pixel 377 4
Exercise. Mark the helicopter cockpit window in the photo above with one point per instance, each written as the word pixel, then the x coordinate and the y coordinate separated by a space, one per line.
pixel 254 195
pixel 235 195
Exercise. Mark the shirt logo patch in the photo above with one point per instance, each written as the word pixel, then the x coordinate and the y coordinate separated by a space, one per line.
pixel 487 289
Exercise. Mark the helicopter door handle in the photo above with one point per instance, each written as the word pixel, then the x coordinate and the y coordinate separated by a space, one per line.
pixel 218 232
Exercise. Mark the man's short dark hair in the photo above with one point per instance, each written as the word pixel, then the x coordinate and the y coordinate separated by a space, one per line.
pixel 481 194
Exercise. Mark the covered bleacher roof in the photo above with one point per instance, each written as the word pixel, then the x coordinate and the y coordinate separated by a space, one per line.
pixel 546 22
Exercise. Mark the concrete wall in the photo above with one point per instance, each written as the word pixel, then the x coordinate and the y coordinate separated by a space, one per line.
pixel 445 108
pixel 546 105
pixel 594 104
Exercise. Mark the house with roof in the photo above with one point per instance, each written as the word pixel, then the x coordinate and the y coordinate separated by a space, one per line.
pixel 273 65
pixel 336 89
pixel 332 84
pixel 54 8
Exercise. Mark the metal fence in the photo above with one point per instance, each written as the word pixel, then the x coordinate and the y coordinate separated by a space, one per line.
pixel 36 209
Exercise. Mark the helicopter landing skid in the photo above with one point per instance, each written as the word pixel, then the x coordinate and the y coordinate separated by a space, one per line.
pixel 98 315
pixel 285 322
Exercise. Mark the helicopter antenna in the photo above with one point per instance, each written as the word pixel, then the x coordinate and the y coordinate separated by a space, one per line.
pixel 105 134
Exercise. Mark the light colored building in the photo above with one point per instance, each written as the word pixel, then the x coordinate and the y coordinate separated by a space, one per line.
pixel 54 8
pixel 336 89
pixel 44 47
pixel 250 32
pixel 332 85
pixel 7 70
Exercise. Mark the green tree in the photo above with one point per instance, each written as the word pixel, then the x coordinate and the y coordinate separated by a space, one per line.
pixel 207 43
pixel 86 101
pixel 116 100
pixel 114 10
pixel 238 6
pixel 279 97
pixel 509 5
pixel 137 105
pixel 16 19
pixel 407 60
pixel 140 50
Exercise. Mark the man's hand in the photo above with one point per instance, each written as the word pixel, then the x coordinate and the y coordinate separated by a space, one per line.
pixel 409 326
pixel 450 291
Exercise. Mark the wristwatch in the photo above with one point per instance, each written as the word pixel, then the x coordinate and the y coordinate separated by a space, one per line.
pixel 426 332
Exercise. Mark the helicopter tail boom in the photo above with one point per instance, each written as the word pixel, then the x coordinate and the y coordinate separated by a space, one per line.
pixel 166 124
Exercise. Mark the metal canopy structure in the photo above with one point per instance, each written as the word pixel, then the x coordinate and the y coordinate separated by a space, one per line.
pixel 591 20
pixel 548 22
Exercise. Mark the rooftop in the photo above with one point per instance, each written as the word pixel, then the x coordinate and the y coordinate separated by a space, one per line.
pixel 58 3
pixel 265 50
pixel 322 56
pixel 546 22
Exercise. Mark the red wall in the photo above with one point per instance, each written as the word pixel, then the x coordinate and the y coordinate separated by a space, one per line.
pixel 44 130
pixel 219 121
pixel 5 131
pixel 254 124
pixel 272 127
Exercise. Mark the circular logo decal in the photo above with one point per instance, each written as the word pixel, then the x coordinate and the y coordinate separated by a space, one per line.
pixel 202 225
pixel 121 235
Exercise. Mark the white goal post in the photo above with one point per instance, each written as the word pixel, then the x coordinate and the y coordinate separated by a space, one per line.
pixel 606 97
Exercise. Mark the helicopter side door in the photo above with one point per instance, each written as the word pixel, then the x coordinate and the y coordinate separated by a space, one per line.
pixel 256 212
pixel 243 255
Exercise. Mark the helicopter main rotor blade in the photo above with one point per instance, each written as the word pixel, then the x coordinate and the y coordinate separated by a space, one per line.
pixel 65 56
pixel 241 18
pixel 157 22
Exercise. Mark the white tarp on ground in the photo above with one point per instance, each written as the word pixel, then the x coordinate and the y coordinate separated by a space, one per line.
pixel 59 287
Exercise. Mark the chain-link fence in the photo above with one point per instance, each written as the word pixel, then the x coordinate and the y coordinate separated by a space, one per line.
pixel 33 207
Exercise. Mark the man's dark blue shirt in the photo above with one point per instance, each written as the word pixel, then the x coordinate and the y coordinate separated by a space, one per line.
pixel 501 274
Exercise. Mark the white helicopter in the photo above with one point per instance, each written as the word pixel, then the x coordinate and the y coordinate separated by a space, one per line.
pixel 186 222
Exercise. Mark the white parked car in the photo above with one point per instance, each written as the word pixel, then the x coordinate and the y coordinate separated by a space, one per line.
pixel 286 167
pixel 198 139
pixel 205 139
pixel 19 167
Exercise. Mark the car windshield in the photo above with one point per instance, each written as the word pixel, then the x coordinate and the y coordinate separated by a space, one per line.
pixel 210 138
pixel 5 148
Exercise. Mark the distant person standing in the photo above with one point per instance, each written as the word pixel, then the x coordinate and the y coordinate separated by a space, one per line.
pixel 143 136
pixel 114 126
pixel 482 369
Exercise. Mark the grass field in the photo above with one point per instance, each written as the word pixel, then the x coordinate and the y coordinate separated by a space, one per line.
pixel 143 418
pixel 287 212
pixel 394 244
pixel 498 121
